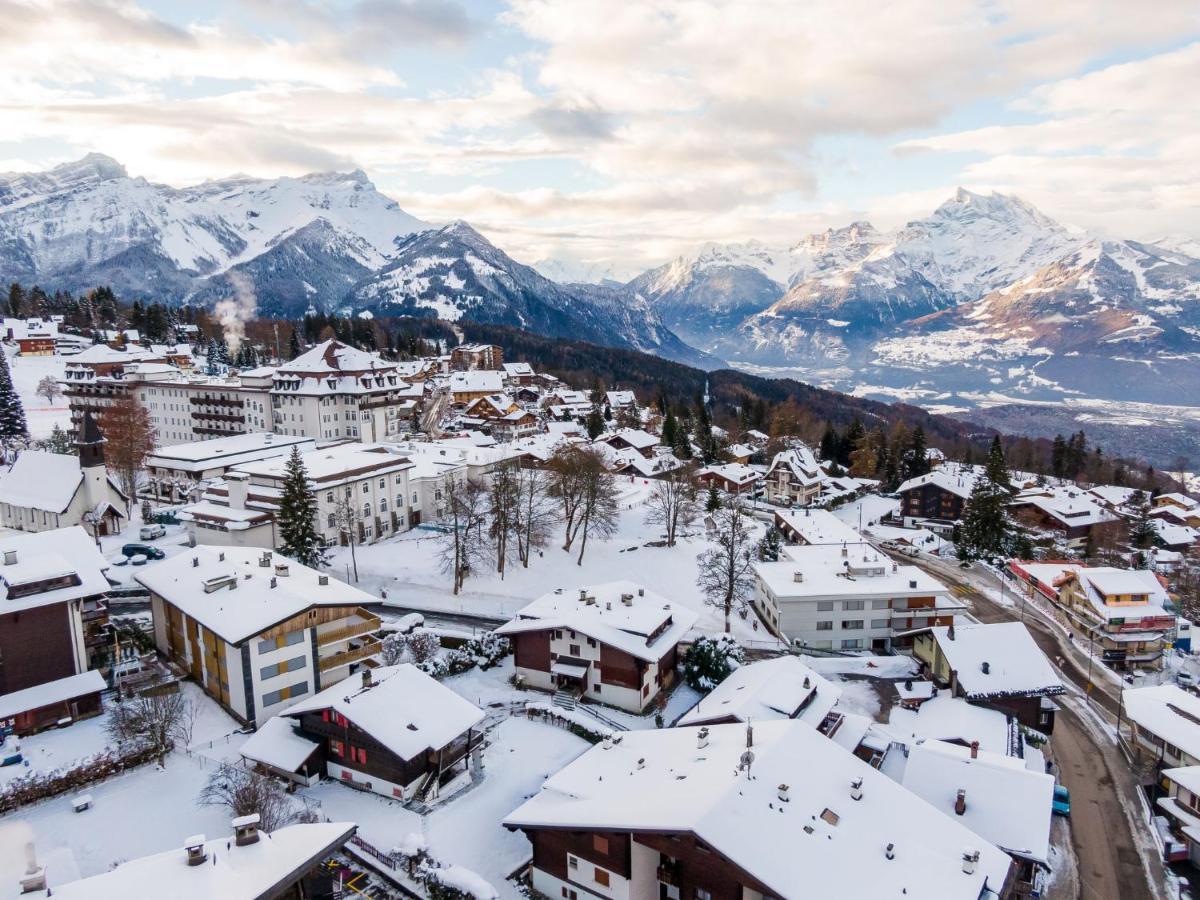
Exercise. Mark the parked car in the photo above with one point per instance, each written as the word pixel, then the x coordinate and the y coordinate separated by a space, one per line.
pixel 142 550
pixel 1185 678
pixel 1062 801
pixel 152 532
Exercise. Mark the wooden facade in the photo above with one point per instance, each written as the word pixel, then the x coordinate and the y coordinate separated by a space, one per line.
pixel 930 501
pixel 36 646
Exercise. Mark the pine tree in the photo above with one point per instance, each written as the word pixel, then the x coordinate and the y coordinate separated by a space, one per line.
pixel 1142 530
pixel 297 516
pixel 713 503
pixel 986 530
pixel 594 423
pixel 916 460
pixel 16 300
pixel 13 427
pixel 294 345
pixel 670 429
pixel 212 365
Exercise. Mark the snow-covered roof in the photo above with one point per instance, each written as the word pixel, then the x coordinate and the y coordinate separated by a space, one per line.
pixel 820 838
pixel 332 356
pixel 956 483
pixel 42 480
pixel 1097 582
pixel 253 606
pixel 476 381
pixel 735 473
pixel 1187 777
pixel 48 554
pixel 1071 508
pixel 620 614
pixel 1006 804
pixel 1174 535
pixel 947 718
pixel 229 517
pixel 403 708
pixel 101 354
pixel 856 570
pixel 1168 712
pixel 1016 666
pixel 331 465
pixel 230 872
pixel 801 462
pixel 518 370
pixel 620 398
pixel 226 451
pixel 781 688
pixel 57 691
pixel 634 437
pixel 818 526
pixel 1177 499
pixel 278 744
pixel 1111 494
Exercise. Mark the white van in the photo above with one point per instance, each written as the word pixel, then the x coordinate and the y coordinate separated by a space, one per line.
pixel 151 532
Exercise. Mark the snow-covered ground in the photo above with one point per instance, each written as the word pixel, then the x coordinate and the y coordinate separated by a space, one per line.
pixel 27 371
pixel 407 568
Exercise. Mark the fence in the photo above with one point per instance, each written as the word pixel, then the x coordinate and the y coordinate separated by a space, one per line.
pixel 39 786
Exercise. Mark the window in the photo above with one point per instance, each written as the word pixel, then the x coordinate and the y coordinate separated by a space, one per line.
pixel 572 862
pixel 335 747
pixel 329 497
pixel 852 624
pixel 852 604
pixel 825 606
pixel 596 688
pixel 826 625
pixel 332 520
pixel 399 480
pixel 414 497
pixel 601 877
pixel 366 510
pixel 879 623
pixel 382 483
pixel 879 604
pixel 366 488
pixel 702 894
pixel 852 644
pixel 399 501
pixel 383 504
pixel 574 651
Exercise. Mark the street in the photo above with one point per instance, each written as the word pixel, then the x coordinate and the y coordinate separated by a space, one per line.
pixel 1115 855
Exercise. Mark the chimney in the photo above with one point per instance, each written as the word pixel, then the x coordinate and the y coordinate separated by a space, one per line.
pixel 807 682
pixel 985 667
pixel 950 631
pixel 10 557
pixel 221 556
pixel 641 763
pixel 798 576
pixel 912 584
pixel 908 684
pixel 281 569
pixel 970 860
pixel 701 738
pixel 974 749
pixel 195 850
pixel 245 830
pixel 195 562
pixel 583 594
pixel 322 580
pixel 608 605
pixel 960 802
pixel 783 793
pixel 890 851
pixel 856 789
pixel 641 592
pixel 627 599
pixel 34 878
pixel 749 735
pixel 845 551
pixel 274 582
pixel 366 676
pixel 608 742
pixel 238 485
pixel 264 561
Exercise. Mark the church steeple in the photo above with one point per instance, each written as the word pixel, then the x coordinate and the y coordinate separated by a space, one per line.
pixel 90 443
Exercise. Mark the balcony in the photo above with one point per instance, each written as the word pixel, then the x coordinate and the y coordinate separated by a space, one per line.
pixel 93 610
pixel 370 647
pixel 670 875
pixel 362 622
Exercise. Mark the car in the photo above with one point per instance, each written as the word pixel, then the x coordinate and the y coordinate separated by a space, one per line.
pixel 151 532
pixel 142 550
pixel 1185 678
pixel 1062 801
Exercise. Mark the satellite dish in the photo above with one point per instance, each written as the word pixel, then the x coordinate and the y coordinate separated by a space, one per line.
pixel 747 759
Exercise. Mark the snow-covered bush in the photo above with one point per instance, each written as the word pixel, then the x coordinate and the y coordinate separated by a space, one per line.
pixel 454 883
pixel 488 650
pixel 709 661
pixel 423 646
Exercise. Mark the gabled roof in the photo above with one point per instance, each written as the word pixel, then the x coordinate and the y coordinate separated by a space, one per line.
pixel 404 709
pixel 1016 666
pixel 958 484
pixel 277 743
pixel 947 718
pixel 818 526
pixel 819 842
pixel 622 615
pixel 736 473
pixel 333 356
pixel 801 462
pixel 781 688
pixel 45 481
pixel 43 555
pixel 1167 712
pixel 58 691
pixel 634 437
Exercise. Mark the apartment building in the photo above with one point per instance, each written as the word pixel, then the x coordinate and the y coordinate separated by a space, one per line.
pixel 177 470
pixel 257 630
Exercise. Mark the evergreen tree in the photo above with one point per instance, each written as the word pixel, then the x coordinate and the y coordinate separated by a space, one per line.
pixel 829 443
pixel 916 460
pixel 986 529
pixel 670 428
pixel 713 503
pixel 1058 457
pixel 297 516
pixel 13 427
pixel 58 442
pixel 16 300
pixel 850 441
pixel 594 423
pixel 212 364
pixel 1142 531
pixel 294 345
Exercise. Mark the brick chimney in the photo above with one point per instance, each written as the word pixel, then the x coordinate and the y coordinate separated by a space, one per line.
pixel 960 802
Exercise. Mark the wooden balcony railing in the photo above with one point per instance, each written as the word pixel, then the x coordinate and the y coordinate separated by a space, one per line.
pixel 370 623
pixel 345 657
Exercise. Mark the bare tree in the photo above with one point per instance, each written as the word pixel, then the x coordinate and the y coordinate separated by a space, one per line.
pixel 129 438
pixel 245 792
pixel 599 507
pixel 462 544
pixel 726 568
pixel 49 388
pixel 502 511
pixel 674 503
pixel 162 719
pixel 535 513
pixel 348 520
pixel 566 485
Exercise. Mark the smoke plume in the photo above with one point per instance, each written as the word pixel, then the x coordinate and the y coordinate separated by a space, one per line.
pixel 233 314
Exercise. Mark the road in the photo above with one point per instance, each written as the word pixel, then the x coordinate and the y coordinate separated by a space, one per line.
pixel 1113 858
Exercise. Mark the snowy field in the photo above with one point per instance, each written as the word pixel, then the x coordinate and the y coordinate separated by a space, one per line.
pixel 407 568
pixel 27 371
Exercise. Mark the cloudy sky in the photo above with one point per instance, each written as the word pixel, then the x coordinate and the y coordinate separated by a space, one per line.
pixel 616 132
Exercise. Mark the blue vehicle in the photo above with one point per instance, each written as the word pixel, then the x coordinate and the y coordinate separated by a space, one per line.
pixel 1062 801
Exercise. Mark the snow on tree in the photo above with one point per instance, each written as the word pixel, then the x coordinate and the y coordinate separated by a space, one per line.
pixel 297 515
pixel 13 427
pixel 162 720
pixel 986 529
pixel 725 574
pixel 49 388
pixel 673 504
pixel 245 792
pixel 710 660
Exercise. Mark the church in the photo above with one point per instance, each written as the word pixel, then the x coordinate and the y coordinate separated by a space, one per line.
pixel 44 490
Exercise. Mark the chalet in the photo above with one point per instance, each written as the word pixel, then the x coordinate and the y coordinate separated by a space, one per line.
pixel 613 643
pixel 995 665
pixel 955 721
pixel 772 810
pixel 33 337
pixel 1126 613
pixel 1181 807
pixel 740 453
pixel 1008 805
pixel 732 478
pixel 53 615
pixel 44 491
pixel 815 527
pixel 780 688
pixel 1178 514
pixel 517 424
pixel 1179 538
pixel 620 400
pixel 468 386
pixel 794 477
pixel 491 407
pixel 852 597
pixel 256 630
pixel 1162 725
pixel 939 495
pixel 631 439
pixel 1176 499
pixel 518 373
pixel 756 439
pixel 470 357
pixel 287 863
pixel 398 733
pixel 53 704
pixel 1067 511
